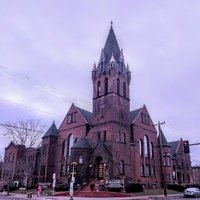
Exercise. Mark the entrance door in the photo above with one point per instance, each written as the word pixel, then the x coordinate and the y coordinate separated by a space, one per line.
pixel 179 177
pixel 101 171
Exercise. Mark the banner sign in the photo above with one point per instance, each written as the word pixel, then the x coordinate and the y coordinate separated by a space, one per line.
pixel 114 183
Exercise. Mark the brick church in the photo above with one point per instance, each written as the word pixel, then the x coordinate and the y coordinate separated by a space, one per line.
pixel 111 142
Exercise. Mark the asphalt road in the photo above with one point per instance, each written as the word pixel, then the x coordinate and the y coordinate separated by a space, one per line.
pixel 179 197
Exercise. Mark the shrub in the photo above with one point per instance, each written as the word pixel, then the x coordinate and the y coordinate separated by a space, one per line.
pixel 62 187
pixel 176 187
pixel 134 187
pixel 114 189
pixel 11 188
pixel 193 185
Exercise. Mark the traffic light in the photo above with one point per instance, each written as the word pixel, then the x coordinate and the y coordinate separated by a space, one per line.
pixel 73 168
pixel 186 146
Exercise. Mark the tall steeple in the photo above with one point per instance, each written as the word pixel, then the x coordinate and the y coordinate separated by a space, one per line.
pixel 111 57
pixel 111 84
pixel 111 47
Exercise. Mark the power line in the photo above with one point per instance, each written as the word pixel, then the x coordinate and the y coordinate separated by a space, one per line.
pixel 194 144
pixel 28 129
pixel 23 79
pixel 31 108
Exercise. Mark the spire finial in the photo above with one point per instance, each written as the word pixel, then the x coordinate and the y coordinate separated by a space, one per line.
pixel 111 22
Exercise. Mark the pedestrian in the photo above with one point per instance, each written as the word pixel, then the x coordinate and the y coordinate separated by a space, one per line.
pixel 92 187
pixel 39 190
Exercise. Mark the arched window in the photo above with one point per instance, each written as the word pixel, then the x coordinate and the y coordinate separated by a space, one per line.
pixel 151 150
pixel 122 137
pixel 118 86
pixel 64 148
pixel 98 88
pixel 142 170
pixel 146 145
pixel 121 167
pixel 70 144
pixel 124 89
pixel 106 86
pixel 141 147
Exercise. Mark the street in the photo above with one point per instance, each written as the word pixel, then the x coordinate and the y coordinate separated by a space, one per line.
pixel 159 197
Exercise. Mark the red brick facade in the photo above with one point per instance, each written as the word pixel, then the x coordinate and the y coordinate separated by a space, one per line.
pixel 111 142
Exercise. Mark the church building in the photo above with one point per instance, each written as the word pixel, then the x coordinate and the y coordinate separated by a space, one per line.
pixel 112 142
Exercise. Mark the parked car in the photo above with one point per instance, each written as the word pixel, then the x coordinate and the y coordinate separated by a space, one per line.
pixel 191 192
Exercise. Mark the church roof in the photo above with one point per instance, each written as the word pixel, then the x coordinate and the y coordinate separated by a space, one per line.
pixel 52 131
pixel 162 139
pixel 111 47
pixel 134 113
pixel 86 114
pixel 82 143
pixel 174 146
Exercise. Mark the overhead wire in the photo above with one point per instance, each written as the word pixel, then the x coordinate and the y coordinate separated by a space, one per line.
pixel 31 108
pixel 55 92
pixel 28 129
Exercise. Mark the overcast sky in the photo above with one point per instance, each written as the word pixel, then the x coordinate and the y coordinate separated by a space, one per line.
pixel 48 49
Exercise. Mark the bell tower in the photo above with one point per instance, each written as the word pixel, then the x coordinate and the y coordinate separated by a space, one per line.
pixel 111 82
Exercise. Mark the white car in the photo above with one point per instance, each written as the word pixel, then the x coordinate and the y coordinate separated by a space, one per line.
pixel 191 192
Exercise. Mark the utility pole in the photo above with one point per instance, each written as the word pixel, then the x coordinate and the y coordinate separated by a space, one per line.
pixel 161 156
pixel 73 172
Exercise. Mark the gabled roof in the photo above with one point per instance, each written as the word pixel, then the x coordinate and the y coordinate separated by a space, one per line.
pixel 52 131
pixel 161 138
pixel 12 143
pixel 111 47
pixel 82 143
pixel 134 114
pixel 174 146
pixel 86 114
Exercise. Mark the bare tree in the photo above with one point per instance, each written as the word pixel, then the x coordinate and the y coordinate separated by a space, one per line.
pixel 25 132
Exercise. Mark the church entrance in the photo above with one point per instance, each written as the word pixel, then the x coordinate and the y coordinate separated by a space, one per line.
pixel 100 168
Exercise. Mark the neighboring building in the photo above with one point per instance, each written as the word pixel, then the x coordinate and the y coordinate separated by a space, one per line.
pixel 181 163
pixel 176 165
pixel 196 174
pixel 111 142
pixel 20 165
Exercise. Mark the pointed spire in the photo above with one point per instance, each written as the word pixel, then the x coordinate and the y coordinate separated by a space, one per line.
pixel 52 131
pixel 128 68
pixel 111 46
pixel 121 56
pixel 102 58
pixel 161 137
pixel 94 67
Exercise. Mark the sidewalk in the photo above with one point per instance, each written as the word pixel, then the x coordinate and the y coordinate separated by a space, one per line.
pixel 34 197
